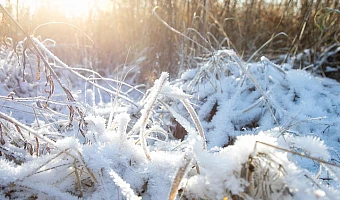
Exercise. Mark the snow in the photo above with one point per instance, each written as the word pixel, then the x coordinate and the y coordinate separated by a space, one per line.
pixel 254 130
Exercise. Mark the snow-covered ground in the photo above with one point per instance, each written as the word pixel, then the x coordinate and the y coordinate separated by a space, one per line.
pixel 254 131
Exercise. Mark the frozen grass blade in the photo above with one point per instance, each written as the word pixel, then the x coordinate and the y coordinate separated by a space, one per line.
pixel 181 120
pixel 196 120
pixel 41 46
pixel 146 111
pixel 155 129
pixel 176 93
pixel 93 177
pixel 124 186
pixel 49 141
pixel 35 133
pixel 44 164
pixel 251 77
pixel 299 154
pixel 79 184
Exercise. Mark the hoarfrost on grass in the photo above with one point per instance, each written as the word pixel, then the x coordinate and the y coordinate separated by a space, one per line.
pixel 233 101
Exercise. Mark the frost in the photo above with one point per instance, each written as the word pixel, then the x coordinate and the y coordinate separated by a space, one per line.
pixel 68 142
pixel 125 187
pixel 312 146
pixel 250 131
pixel 174 92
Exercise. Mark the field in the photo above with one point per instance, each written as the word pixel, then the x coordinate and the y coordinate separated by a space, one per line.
pixel 189 100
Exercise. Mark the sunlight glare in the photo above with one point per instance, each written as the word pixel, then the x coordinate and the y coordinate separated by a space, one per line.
pixel 71 8
pixel 74 8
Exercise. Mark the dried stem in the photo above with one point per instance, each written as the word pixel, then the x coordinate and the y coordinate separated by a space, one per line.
pixel 178 178
pixel 299 154
pixel 196 120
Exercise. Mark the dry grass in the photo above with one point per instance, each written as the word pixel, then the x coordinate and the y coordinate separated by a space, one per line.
pixel 131 27
pixel 202 39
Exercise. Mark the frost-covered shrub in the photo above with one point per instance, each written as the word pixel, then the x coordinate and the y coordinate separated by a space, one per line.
pixel 18 73
pixel 233 97
pixel 324 62
pixel 120 146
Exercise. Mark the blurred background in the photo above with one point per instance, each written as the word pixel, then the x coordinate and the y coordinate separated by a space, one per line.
pixel 167 35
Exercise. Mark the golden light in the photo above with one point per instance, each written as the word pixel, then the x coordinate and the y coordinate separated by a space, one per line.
pixel 74 8
pixel 71 8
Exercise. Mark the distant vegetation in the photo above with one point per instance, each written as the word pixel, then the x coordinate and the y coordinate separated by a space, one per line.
pixel 128 30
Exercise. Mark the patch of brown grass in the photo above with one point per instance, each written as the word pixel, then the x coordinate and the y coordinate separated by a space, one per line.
pixel 129 28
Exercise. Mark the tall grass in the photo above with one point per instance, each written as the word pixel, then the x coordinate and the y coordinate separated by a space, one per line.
pixel 116 166
pixel 129 26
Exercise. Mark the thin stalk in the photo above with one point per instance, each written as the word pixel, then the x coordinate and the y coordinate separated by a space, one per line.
pixel 299 154
pixel 178 178
pixel 196 120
